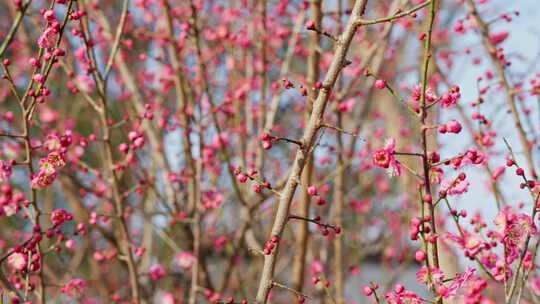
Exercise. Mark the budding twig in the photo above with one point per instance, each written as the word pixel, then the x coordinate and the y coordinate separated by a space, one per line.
pixel 315 221
pixel 394 17
pixel 338 129
pixel 324 33
pixel 276 284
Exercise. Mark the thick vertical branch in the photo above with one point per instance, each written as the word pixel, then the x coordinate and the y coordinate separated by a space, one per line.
pixel 433 249
pixel 305 199
pixel 310 132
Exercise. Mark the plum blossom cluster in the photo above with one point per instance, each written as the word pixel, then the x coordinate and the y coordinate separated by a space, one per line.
pixel 416 94
pixel 450 98
pixel 449 289
pixel 11 200
pixel 48 167
pixel 313 191
pixel 137 142
pixel 55 159
pixel 453 126
pixel 455 186
pixel 26 258
pixel 49 36
pixel 257 185
pixel 269 246
pixel 60 216
pixel 402 295
pixel 470 157
pixel 512 230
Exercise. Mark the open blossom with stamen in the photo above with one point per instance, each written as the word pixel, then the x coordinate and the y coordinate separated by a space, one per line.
pixel 43 179
pixel 47 170
pixel 59 216
pixel 56 159
pixel 17 261
pixel 52 143
pixel 512 230
pixel 385 158
pixel 514 227
pixel 46 167
pixel 53 161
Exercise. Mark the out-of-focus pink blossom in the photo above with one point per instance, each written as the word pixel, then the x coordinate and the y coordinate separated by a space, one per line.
pixel 316 267
pixel 5 171
pixel 168 298
pixel 499 37
pixel 75 288
pixel 157 271
pixel 185 259
pixel 17 261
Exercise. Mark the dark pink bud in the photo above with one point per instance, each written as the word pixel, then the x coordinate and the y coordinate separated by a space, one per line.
pixel 380 84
